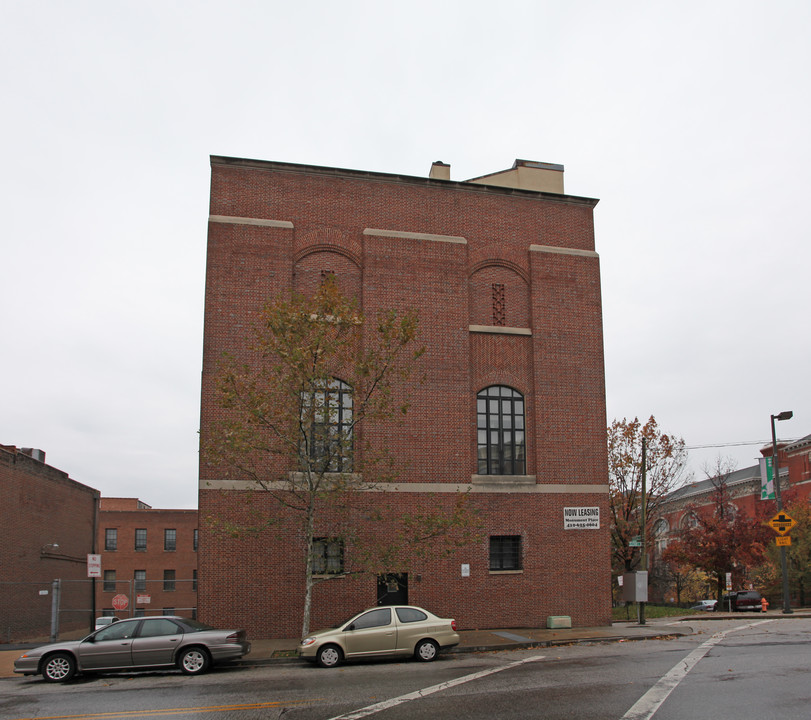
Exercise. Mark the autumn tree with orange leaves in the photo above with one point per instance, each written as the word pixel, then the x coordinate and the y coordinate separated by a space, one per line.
pixel 666 461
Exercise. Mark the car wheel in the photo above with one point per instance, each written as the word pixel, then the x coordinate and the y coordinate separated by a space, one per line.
pixel 59 667
pixel 426 650
pixel 193 661
pixel 329 656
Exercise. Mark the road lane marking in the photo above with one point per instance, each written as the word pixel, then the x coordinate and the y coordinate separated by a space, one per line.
pixel 651 701
pixel 172 711
pixel 377 707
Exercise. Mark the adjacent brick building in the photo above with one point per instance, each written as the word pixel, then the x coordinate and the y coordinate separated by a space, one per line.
pixel 148 555
pixel 504 274
pixel 48 523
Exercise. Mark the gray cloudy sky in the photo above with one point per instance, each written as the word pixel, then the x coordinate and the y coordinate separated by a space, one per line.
pixel 690 121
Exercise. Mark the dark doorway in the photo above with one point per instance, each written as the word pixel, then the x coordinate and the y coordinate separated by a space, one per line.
pixel 392 589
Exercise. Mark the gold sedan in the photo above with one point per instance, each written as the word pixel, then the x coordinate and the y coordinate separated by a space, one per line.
pixel 391 631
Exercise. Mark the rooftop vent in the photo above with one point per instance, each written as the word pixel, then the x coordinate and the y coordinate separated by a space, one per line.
pixel 38 455
pixel 440 171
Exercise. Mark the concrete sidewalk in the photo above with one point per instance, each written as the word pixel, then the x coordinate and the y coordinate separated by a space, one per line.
pixel 266 652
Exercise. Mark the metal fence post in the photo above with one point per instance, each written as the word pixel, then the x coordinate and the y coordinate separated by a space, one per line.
pixel 56 587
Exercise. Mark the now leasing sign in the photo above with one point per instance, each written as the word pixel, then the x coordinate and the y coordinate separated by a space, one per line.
pixel 581 518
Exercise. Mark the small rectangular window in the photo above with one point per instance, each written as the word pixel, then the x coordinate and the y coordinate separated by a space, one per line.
pixel 195 541
pixel 140 539
pixel 169 580
pixel 505 552
pixel 194 580
pixel 140 580
pixel 109 581
pixel 328 556
pixel 170 539
pixel 111 539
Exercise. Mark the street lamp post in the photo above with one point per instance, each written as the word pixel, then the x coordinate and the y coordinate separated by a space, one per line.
pixel 785 415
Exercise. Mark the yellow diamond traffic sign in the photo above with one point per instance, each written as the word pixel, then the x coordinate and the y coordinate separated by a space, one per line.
pixel 782 522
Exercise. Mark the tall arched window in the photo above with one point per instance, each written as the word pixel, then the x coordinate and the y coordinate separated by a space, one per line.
pixel 326 415
pixel 501 432
pixel 661 529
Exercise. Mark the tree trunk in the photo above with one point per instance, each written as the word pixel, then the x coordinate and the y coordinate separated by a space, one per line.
pixel 308 565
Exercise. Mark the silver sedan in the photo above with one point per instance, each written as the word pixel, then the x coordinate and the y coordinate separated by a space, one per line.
pixel 137 644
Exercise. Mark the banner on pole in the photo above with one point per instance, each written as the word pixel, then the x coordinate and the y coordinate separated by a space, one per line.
pixel 766 479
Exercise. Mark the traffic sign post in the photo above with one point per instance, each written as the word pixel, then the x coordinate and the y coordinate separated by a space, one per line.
pixel 785 415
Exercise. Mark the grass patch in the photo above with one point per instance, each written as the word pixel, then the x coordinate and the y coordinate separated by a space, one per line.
pixel 630 612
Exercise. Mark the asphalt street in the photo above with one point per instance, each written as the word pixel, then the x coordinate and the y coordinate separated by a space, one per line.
pixel 731 668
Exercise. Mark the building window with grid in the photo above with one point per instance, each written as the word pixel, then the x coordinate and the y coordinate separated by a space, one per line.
pixel 169 580
pixel 505 552
pixel 194 580
pixel 328 556
pixel 170 539
pixel 140 539
pixel 195 540
pixel 140 580
pixel 109 581
pixel 111 539
pixel 501 440
pixel 326 415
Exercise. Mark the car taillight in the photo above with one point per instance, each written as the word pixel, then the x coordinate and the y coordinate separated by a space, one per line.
pixel 233 637
pixel 453 625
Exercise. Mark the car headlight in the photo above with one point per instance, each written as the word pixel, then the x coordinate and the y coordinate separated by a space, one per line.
pixel 307 641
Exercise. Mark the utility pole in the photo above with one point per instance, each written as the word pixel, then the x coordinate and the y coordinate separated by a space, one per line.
pixel 785 415
pixel 643 560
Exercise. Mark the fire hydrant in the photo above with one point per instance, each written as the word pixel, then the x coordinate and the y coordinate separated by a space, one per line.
pixel 764 604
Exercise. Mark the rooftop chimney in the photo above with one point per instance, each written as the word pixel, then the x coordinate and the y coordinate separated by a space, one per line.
pixel 440 171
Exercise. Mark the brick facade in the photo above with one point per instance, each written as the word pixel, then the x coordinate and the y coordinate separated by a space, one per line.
pixel 172 593
pixel 507 285
pixel 48 523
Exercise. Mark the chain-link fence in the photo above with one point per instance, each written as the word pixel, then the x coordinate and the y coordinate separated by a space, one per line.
pixel 65 609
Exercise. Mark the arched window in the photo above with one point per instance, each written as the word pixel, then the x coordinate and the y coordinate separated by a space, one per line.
pixel 501 432
pixel 326 416
pixel 660 532
pixel 689 520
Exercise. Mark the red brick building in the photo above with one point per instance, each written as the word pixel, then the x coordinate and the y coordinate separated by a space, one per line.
pixel 148 555
pixel 504 274
pixel 48 523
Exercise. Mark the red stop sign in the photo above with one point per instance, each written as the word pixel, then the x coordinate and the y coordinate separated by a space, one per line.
pixel 120 602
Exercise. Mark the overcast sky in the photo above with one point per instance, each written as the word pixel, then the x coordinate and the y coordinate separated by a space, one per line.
pixel 689 121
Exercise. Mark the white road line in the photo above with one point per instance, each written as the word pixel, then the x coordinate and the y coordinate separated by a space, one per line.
pixel 651 701
pixel 377 707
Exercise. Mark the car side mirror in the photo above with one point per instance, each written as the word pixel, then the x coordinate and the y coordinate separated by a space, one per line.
pixel 349 627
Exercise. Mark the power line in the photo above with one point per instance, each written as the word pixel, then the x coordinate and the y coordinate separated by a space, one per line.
pixel 740 443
